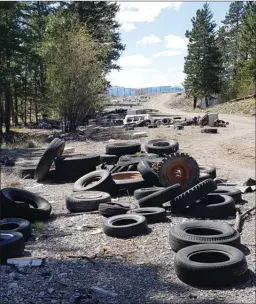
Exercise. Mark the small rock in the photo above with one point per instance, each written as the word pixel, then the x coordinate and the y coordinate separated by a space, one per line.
pixel 13 285
pixel 104 291
pixel 63 275
pixel 12 274
pixel 41 294
pixel 192 296
pixel 54 301
pixel 51 290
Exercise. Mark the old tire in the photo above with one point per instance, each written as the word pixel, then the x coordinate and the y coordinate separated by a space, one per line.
pixel 190 196
pixel 86 201
pixel 158 198
pixel 202 232
pixel 34 207
pixel 125 226
pixel 100 180
pixel 235 193
pixel 208 169
pixel 123 148
pixel 213 206
pixel 211 265
pixel 16 225
pixel 76 162
pixel 203 176
pixel 140 193
pixel 209 130
pixel 148 173
pixel 55 149
pixel 161 146
pixel 112 209
pixel 124 159
pixel 11 245
pixel 129 181
pixel 108 159
pixel 152 215
pixel 179 168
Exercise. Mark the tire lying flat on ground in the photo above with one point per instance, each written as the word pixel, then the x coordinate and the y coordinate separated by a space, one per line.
pixel 213 206
pixel 208 169
pixel 11 245
pixel 85 201
pixel 24 204
pixel 190 196
pixel 158 198
pixel 211 265
pixel 202 232
pixel 108 159
pixel 235 193
pixel 17 225
pixel 152 215
pixel 129 181
pixel 100 180
pixel 161 146
pixel 77 162
pixel 209 130
pixel 125 226
pixel 140 193
pixel 123 148
pixel 112 209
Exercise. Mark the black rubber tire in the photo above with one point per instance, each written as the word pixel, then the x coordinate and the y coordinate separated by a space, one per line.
pixel 86 201
pixel 82 163
pixel 158 198
pixel 203 176
pixel 152 215
pixel 124 159
pixel 67 177
pixel 213 206
pixel 35 207
pixel 147 173
pixel 202 232
pixel 102 182
pixel 11 245
pixel 129 185
pixel 209 130
pixel 208 169
pixel 140 193
pixel 137 227
pixel 55 149
pixel 108 159
pixel 211 265
pixel 235 193
pixel 190 196
pixel 123 148
pixel 161 146
pixel 16 225
pixel 191 176
pixel 112 209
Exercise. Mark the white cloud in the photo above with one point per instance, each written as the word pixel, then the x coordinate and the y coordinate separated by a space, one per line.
pixel 168 53
pixel 143 11
pixel 151 39
pixel 176 42
pixel 128 27
pixel 135 61
pixel 148 77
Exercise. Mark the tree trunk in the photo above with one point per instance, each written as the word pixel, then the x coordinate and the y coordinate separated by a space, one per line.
pixel 16 122
pixel 8 101
pixel 195 101
pixel 30 111
pixel 1 118
pixel 206 102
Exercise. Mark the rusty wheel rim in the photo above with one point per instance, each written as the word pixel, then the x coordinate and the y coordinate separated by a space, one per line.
pixel 178 172
pixel 127 175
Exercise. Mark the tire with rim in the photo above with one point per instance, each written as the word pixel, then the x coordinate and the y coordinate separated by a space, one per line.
pixel 112 209
pixel 17 225
pixel 158 198
pixel 24 204
pixel 152 215
pixel 211 265
pixel 100 180
pixel 235 193
pixel 148 173
pixel 11 245
pixel 190 196
pixel 179 168
pixel 125 226
pixel 140 193
pixel 161 146
pixel 86 201
pixel 123 148
pixel 208 169
pixel 213 206
pixel 129 181
pixel 202 232
pixel 55 149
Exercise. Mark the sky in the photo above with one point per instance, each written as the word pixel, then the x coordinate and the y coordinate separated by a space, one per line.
pixel 154 35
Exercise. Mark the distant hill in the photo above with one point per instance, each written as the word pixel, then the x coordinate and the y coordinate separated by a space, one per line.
pixel 122 91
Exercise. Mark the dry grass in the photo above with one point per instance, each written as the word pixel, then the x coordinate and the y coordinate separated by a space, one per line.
pixel 11 181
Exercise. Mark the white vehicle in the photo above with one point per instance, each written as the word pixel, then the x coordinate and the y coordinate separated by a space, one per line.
pixel 137 118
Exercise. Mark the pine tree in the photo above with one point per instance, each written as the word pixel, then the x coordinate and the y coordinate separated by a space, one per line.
pixel 202 64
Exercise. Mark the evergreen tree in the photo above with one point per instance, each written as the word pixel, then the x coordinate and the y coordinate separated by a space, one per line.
pixel 202 64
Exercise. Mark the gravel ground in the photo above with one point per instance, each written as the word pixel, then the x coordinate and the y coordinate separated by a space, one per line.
pixel 137 270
